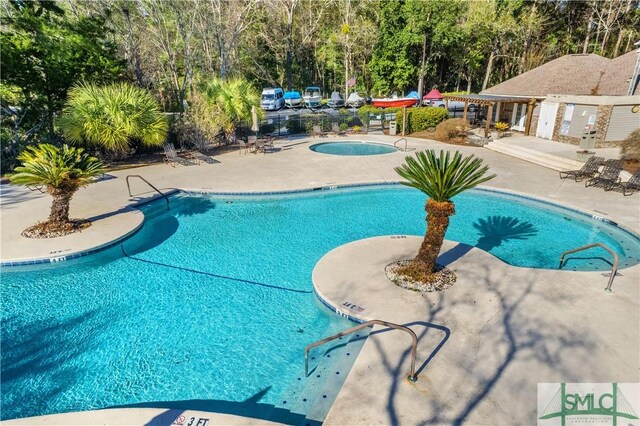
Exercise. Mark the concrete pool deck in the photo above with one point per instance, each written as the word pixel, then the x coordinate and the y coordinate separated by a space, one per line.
pixel 530 330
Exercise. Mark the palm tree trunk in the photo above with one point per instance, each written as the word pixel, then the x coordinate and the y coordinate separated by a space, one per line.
pixel 438 213
pixel 60 206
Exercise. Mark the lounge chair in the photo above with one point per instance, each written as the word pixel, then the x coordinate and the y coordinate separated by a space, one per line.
pixel 317 131
pixel 588 170
pixel 260 146
pixel 632 185
pixel 171 157
pixel 608 177
pixel 335 128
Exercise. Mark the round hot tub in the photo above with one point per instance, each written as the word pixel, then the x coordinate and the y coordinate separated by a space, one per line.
pixel 352 148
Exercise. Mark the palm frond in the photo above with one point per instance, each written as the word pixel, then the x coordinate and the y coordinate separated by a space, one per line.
pixel 49 165
pixel 443 176
pixel 112 116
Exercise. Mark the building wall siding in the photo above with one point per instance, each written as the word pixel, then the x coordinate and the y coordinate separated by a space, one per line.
pixel 622 123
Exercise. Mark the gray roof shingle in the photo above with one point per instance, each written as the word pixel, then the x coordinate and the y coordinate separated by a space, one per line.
pixel 588 74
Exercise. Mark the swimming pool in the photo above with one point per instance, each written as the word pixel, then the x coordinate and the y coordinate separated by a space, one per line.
pixel 352 148
pixel 214 302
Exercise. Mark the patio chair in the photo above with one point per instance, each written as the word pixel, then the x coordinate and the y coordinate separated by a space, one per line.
pixel 335 128
pixel 246 146
pixel 608 177
pixel 171 156
pixel 260 146
pixel 632 185
pixel 588 170
pixel 317 130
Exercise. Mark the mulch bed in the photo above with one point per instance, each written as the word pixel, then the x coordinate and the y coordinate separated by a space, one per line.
pixel 48 230
pixel 442 279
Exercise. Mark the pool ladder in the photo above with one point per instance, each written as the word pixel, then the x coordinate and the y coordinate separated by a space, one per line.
pixel 413 376
pixel 400 140
pixel 614 269
pixel 148 183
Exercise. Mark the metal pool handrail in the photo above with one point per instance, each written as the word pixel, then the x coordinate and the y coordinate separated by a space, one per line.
pixel 413 377
pixel 614 269
pixel 405 144
pixel 148 183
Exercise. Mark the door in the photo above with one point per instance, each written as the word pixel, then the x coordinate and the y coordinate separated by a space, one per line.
pixel 519 117
pixel 547 120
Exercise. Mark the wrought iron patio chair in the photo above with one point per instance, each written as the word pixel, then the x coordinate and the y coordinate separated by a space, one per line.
pixel 588 170
pixel 632 185
pixel 608 177
pixel 171 156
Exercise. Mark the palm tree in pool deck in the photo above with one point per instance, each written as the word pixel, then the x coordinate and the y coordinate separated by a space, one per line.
pixel 440 177
pixel 62 171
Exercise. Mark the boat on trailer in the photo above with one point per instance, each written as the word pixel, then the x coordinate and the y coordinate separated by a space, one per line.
pixel 312 97
pixel 292 99
pixel 394 102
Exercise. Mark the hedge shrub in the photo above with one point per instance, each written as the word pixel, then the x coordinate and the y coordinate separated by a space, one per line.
pixel 418 119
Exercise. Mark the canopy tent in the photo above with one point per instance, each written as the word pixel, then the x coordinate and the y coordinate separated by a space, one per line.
pixel 433 95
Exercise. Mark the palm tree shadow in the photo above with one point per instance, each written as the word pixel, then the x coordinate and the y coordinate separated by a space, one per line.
pixel 496 230
pixel 493 231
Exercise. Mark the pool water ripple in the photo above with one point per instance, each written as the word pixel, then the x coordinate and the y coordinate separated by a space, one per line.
pixel 213 300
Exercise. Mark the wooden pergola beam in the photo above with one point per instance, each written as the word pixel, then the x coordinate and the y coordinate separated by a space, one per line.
pixel 488 123
pixel 530 107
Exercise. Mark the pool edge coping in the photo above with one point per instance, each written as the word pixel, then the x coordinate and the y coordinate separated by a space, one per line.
pixel 202 191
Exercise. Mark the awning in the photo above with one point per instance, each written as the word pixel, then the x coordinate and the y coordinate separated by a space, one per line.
pixel 434 94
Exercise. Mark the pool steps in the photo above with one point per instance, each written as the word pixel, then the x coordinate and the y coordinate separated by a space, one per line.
pixel 313 396
pixel 543 159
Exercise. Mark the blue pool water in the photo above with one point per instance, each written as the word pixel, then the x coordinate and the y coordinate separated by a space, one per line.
pixel 214 301
pixel 352 148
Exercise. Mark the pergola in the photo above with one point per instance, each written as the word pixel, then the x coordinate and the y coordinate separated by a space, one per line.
pixel 490 101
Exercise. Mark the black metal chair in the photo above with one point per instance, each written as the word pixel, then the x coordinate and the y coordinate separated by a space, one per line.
pixel 608 177
pixel 632 185
pixel 588 170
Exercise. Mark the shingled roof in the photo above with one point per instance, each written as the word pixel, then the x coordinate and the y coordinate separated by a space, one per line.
pixel 588 74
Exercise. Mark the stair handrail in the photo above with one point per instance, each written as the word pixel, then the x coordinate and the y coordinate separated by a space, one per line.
pixel 614 268
pixel 405 144
pixel 413 376
pixel 148 183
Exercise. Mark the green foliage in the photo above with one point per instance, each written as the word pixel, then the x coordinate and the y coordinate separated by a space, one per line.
pixel 423 118
pixel 233 99
pixel 113 117
pixel 630 147
pixel 58 168
pixel 442 177
pixel 267 129
pixel 344 127
pixel 45 51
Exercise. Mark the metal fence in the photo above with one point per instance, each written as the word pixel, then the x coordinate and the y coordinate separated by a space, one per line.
pixel 292 124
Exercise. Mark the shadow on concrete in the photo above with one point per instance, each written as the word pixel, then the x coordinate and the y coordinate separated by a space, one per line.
pixel 251 407
pixel 15 194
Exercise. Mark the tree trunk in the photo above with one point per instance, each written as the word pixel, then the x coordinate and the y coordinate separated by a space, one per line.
pixel 424 61
pixel 438 213
pixel 585 46
pixel 60 206
pixel 616 49
pixel 487 76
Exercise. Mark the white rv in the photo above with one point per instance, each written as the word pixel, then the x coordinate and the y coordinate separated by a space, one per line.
pixel 272 99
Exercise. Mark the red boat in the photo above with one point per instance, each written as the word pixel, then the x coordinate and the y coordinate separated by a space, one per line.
pixel 393 102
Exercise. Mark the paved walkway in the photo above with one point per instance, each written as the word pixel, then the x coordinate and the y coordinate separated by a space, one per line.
pixel 480 374
pixel 484 344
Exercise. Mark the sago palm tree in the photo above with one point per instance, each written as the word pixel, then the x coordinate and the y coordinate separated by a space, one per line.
pixel 113 117
pixel 233 100
pixel 62 171
pixel 440 177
